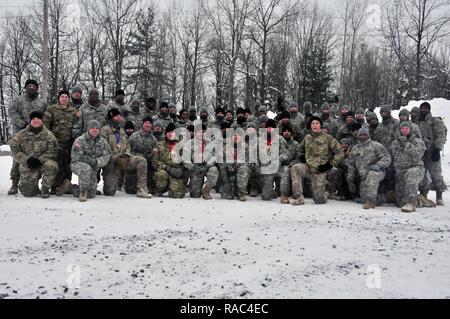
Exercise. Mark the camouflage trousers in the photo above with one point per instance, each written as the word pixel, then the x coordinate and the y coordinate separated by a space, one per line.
pixel 198 180
pixel 282 180
pixel 370 185
pixel 238 181
pixel 164 182
pixel 131 180
pixel 255 183
pixel 388 183
pixel 111 174
pixel 299 172
pixel 87 178
pixel 29 178
pixel 15 171
pixel 407 184
pixel 434 169
pixel 337 183
pixel 64 171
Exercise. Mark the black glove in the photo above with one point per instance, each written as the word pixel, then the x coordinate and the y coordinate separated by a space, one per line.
pixel 303 159
pixel 325 168
pixel 175 172
pixel 34 163
pixel 89 160
pixel 436 155
pixel 125 113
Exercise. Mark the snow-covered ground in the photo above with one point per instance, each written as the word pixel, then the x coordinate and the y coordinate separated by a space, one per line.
pixel 124 247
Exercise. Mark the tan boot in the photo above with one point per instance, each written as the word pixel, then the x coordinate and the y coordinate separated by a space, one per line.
pixel 409 207
pixel 285 200
pixel 242 198
pixel 64 188
pixel 83 197
pixel 142 193
pixel 14 190
pixel 298 201
pixel 206 192
pixel 424 202
pixel 369 205
pixel 390 197
pixel 45 192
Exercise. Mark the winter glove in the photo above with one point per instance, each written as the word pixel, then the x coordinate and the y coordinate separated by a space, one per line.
pixel 375 168
pixel 303 159
pixel 175 172
pixel 402 140
pixel 325 168
pixel 125 113
pixel 436 155
pixel 34 163
pixel 89 160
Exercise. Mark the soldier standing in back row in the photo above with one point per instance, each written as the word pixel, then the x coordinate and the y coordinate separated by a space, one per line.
pixel 19 112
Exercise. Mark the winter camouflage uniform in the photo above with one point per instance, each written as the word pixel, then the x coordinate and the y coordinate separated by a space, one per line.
pixel 318 149
pixel 121 160
pixel 44 146
pixel 60 122
pixel 297 124
pixel 289 156
pixel 19 115
pixel 434 135
pixel 142 144
pixel 165 121
pixel 362 158
pixel 123 108
pixel 163 162
pixel 135 118
pixel 85 150
pixel 87 114
pixel 267 180
pixel 407 154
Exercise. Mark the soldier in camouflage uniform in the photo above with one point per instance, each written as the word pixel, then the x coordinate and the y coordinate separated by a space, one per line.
pixel 347 130
pixel 202 166
pixel 135 116
pixel 319 152
pixel 407 152
pixel 367 163
pixel 19 112
pixel 149 107
pixel 35 149
pixel 254 184
pixel 404 116
pixel 434 134
pixel 204 116
pixel 342 119
pixel 220 119
pixel 372 120
pixel 385 135
pixel 121 159
pixel 289 156
pixel 170 174
pixel 325 115
pixel 297 121
pixel 183 118
pixel 158 131
pixel 229 117
pixel 337 187
pixel 142 143
pixel 163 117
pixel 192 115
pixel 90 153
pixel 360 117
pixel 270 143
pixel 76 97
pixel 119 103
pixel 235 170
pixel 415 115
pixel 92 110
pixel 59 119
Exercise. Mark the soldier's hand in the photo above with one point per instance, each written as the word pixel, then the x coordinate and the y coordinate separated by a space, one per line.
pixel 436 155
pixel 34 163
pixel 402 140
pixel 175 172
pixel 325 168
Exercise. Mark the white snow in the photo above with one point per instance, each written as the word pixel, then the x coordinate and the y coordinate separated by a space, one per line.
pixel 161 248
pixel 5 148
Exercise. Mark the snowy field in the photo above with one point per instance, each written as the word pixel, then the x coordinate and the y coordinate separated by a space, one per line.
pixel 124 247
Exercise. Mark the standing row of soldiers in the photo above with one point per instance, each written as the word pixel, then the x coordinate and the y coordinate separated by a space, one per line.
pixel 133 147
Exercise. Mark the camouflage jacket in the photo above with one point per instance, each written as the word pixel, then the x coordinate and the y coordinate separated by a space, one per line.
pixel 20 109
pixel 87 114
pixel 117 140
pixel 409 154
pixel 319 149
pixel 386 132
pixel 142 144
pixel 26 144
pixel 434 132
pixel 364 155
pixel 98 149
pixel 289 152
pixel 136 118
pixel 415 130
pixel 60 121
pixel 163 156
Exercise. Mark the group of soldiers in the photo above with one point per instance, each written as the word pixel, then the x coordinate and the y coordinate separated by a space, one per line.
pixel 134 148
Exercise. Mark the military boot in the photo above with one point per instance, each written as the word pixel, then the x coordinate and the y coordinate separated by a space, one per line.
pixel 253 192
pixel 369 205
pixel 439 199
pixel 64 188
pixel 206 192
pixel 241 197
pixel 390 197
pixel 298 201
pixel 83 197
pixel 284 200
pixel 142 193
pixel 14 190
pixel 410 207
pixel 45 192
pixel 424 202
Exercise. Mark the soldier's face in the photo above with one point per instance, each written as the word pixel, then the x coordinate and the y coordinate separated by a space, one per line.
pixel 31 89
pixel 414 115
pixel 350 120
pixel 293 110
pixel 64 100
pixel 173 110
pixel 94 98
pixel 120 99
pixel 287 135
pixel 344 111
pixel 135 106
pixel 164 111
pixel 326 112
pixel 384 114
pixel 403 118
pixel 147 126
pixel 363 138
pixel 360 116
pixel 424 111
pixel 220 116
pixel 184 116
pixel 94 132
pixel 76 95
pixel 171 136
pixel 405 131
pixel 118 119
pixel 36 122
pixel 204 116
pixel 229 117
pixel 316 127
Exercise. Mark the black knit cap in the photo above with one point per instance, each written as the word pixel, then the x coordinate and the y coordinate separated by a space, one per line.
pixel 120 92
pixel 170 128
pixel 37 114
pixel 31 81
pixel 271 123
pixel 220 110
pixel 147 119
pixel 112 113
pixel 63 92
pixel 427 105
pixel 164 105
pixel 129 125
pixel 240 111
pixel 286 128
pixel 315 118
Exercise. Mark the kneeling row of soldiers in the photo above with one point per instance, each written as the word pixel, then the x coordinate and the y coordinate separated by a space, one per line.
pixel 319 166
